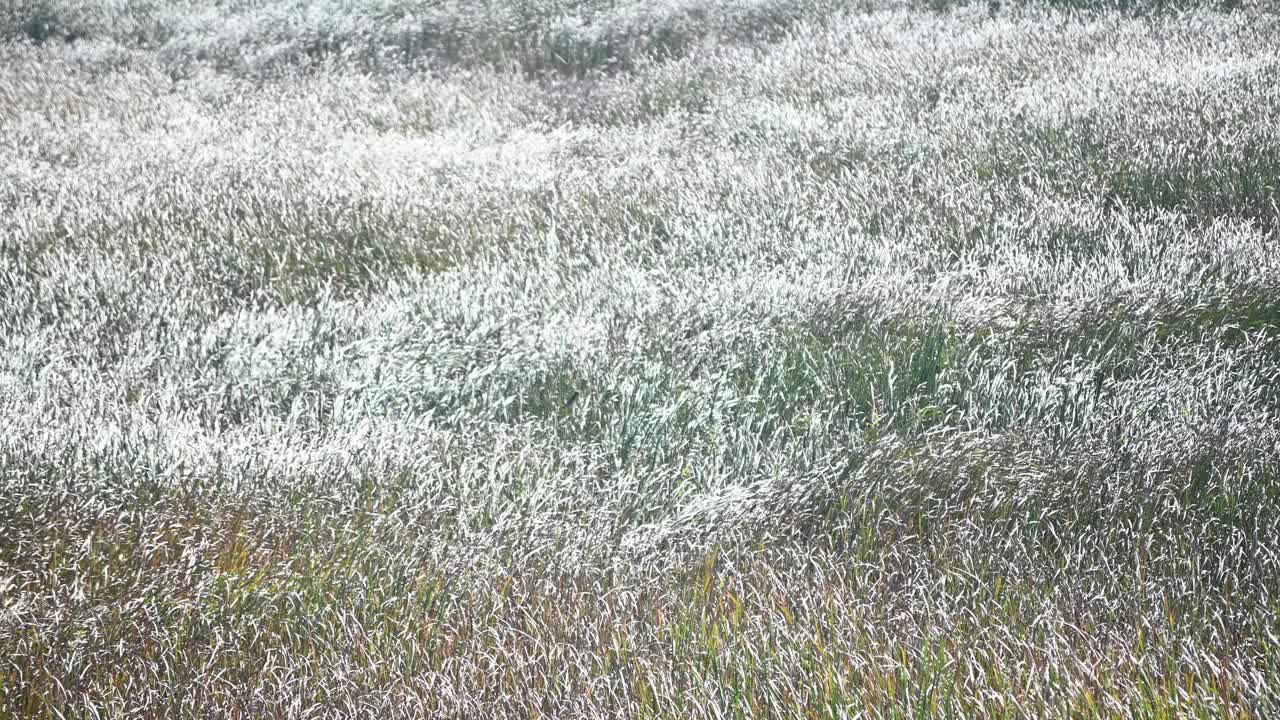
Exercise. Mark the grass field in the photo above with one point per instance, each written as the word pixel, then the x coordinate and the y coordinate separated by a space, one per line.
pixel 605 358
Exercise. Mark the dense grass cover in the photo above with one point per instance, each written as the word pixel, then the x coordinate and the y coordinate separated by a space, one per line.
pixel 605 358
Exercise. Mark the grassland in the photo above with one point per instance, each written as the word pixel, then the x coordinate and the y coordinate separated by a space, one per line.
pixel 602 358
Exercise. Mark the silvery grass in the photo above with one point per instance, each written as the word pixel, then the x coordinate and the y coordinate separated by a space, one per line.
pixel 599 359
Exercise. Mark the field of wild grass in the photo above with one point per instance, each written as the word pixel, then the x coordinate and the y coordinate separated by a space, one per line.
pixel 619 359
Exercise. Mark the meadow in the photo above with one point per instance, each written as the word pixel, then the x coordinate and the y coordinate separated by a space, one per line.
pixel 618 359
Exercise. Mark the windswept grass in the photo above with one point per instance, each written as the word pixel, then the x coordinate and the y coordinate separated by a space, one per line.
pixel 599 359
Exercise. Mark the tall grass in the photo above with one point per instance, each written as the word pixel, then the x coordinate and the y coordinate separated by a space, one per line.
pixel 602 359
